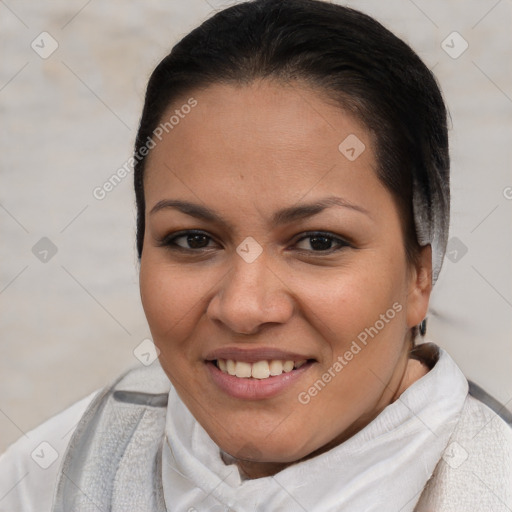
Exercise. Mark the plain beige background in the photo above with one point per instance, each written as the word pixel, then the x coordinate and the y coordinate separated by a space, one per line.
pixel 68 121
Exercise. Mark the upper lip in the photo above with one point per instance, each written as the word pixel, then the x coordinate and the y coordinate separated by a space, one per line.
pixel 254 355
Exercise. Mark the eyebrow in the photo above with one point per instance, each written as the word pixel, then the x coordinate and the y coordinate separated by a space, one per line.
pixel 284 216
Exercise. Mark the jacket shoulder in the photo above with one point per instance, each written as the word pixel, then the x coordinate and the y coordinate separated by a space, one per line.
pixel 29 468
pixel 475 470
pixel 113 458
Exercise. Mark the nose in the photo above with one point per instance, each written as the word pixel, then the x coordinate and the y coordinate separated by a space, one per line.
pixel 251 295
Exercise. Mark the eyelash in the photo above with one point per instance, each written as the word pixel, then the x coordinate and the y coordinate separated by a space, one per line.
pixel 169 241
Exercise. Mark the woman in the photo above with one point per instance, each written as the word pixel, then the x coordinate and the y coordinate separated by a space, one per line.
pixel 292 186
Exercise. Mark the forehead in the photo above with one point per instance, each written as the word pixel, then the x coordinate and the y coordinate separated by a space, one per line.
pixel 266 141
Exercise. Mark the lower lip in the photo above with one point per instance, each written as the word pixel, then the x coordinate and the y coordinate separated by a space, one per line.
pixel 255 389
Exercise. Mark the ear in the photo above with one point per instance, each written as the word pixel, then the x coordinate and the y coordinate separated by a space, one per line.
pixel 420 287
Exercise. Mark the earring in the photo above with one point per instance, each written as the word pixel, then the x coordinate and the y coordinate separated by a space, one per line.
pixel 423 327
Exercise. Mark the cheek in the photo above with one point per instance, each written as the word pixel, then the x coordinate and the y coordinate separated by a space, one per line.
pixel 351 300
pixel 172 299
pixel 361 317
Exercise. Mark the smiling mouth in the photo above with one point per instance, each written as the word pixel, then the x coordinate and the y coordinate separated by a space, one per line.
pixel 264 369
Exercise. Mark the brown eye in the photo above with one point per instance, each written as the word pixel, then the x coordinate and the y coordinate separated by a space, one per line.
pixel 193 240
pixel 322 242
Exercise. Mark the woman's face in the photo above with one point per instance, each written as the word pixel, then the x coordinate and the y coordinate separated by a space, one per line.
pixel 254 287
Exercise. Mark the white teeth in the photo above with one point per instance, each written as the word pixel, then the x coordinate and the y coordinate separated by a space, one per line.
pixel 230 367
pixel 242 369
pixel 259 370
pixel 276 367
pixel 288 366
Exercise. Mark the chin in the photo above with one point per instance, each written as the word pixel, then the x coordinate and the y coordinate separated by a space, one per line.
pixel 282 449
